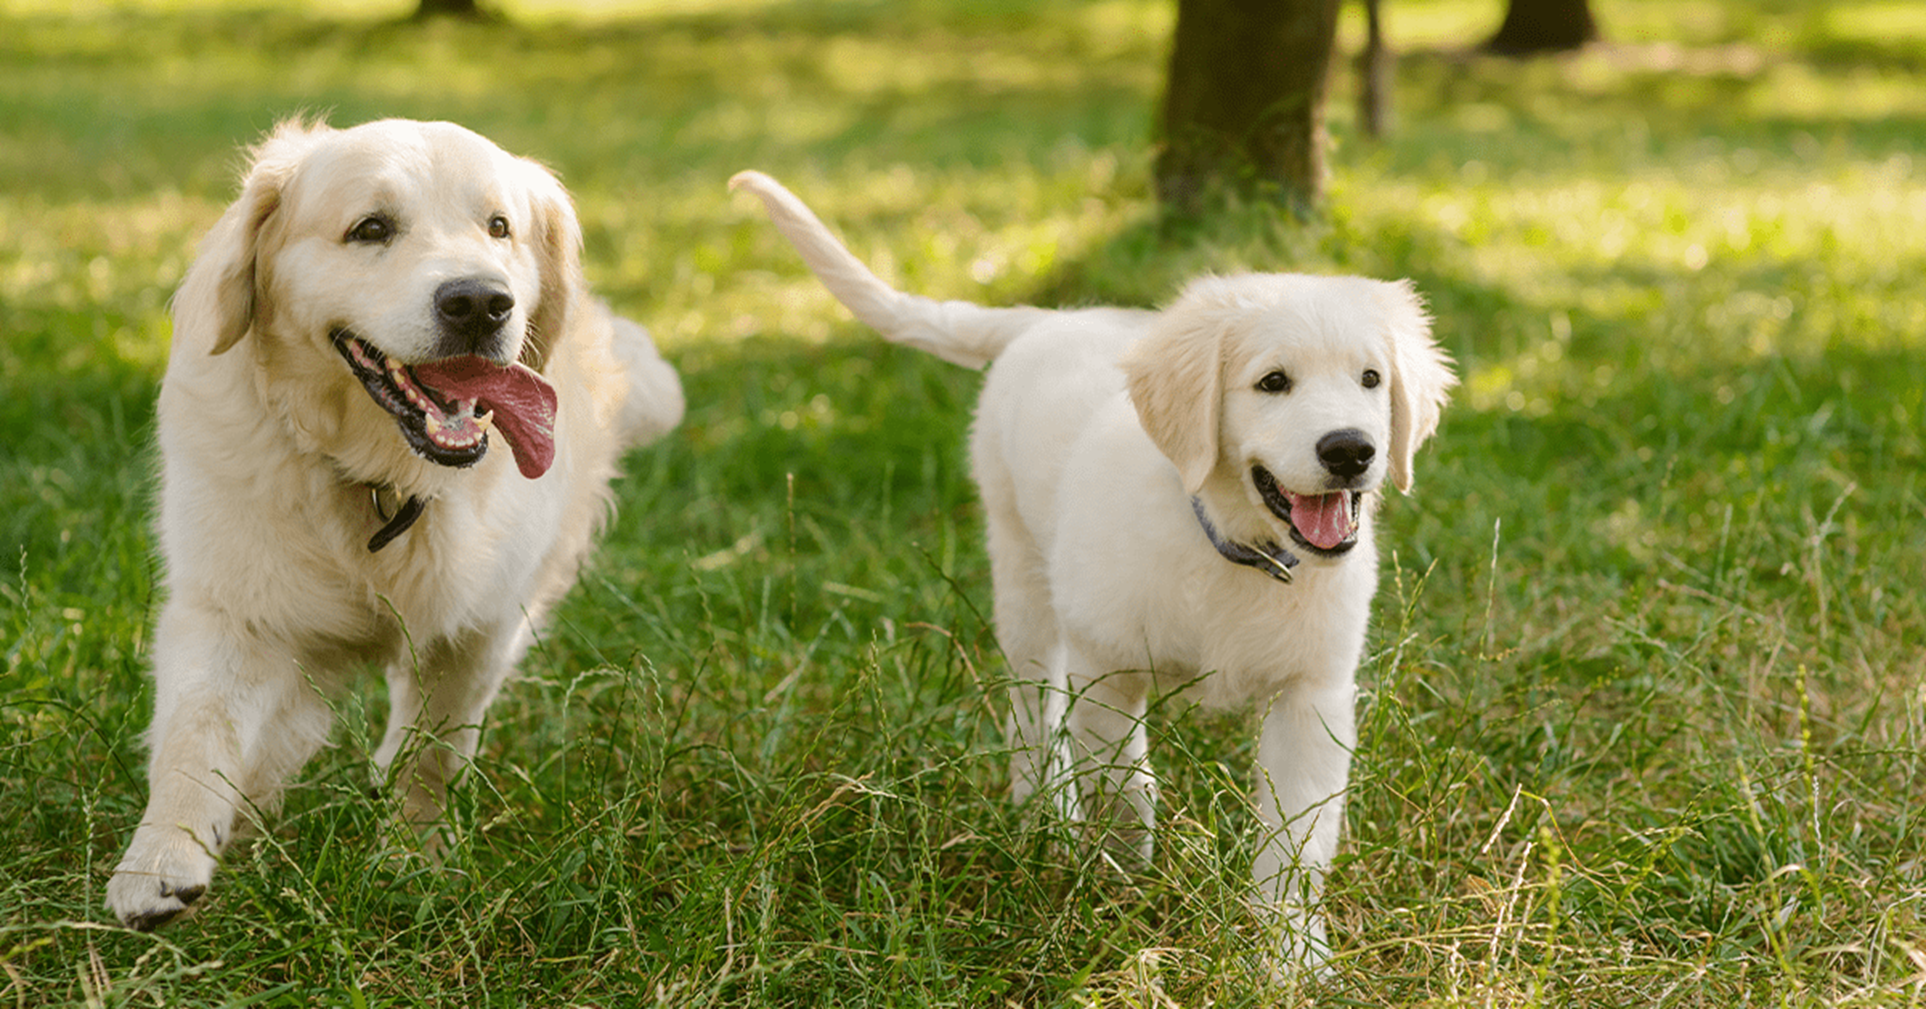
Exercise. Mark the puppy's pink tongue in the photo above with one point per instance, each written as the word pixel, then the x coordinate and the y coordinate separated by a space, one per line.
pixel 523 403
pixel 1324 519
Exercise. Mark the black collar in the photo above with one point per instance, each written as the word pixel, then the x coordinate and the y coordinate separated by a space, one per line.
pixel 1269 558
pixel 397 523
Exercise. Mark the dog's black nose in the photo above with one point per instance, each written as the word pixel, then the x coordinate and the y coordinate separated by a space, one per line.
pixel 472 309
pixel 1346 453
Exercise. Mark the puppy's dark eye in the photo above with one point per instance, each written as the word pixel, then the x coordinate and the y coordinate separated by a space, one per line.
pixel 376 230
pixel 1276 381
pixel 498 226
pixel 1370 379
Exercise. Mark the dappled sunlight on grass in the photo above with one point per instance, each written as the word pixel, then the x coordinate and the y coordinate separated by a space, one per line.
pixel 63 260
pixel 1710 269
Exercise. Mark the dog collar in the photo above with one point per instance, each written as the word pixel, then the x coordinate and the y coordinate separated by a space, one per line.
pixel 398 523
pixel 1269 558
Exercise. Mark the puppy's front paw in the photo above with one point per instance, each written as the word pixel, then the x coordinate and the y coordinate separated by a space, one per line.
pixel 165 870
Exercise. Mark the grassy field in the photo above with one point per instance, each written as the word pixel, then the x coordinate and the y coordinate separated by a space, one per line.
pixel 1643 717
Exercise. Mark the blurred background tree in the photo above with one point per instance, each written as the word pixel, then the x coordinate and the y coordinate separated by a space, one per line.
pixel 1375 66
pixel 450 8
pixel 1243 107
pixel 1543 26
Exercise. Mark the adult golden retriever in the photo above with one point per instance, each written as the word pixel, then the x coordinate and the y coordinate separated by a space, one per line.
pixel 375 308
pixel 1181 499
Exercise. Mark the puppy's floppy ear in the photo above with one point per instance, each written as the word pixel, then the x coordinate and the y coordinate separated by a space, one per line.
pixel 215 304
pixel 1176 380
pixel 1421 377
pixel 558 250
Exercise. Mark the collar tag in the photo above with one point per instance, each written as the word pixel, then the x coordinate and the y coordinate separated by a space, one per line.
pixel 1269 558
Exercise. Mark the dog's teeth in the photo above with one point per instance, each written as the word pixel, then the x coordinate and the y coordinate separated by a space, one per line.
pixel 485 421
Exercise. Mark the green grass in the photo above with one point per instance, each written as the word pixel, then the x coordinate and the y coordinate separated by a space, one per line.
pixel 1644 710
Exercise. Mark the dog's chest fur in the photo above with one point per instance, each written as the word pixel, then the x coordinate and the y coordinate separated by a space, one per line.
pixel 228 545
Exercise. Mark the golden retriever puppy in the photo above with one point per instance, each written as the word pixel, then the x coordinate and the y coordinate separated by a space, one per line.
pixel 387 429
pixel 1180 499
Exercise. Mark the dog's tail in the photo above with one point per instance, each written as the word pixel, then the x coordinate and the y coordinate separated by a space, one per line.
pixel 956 331
pixel 654 404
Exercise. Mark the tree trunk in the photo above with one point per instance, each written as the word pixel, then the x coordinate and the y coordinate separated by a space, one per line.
pixel 1543 26
pixel 1244 108
pixel 449 8
pixel 1374 76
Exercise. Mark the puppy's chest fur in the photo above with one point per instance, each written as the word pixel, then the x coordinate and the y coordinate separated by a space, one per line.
pixel 1224 634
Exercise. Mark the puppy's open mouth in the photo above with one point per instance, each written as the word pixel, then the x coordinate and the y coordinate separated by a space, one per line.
pixel 1324 524
pixel 446 408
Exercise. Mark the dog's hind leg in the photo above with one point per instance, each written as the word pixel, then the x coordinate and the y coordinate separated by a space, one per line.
pixel 1026 630
pixel 1110 746
pixel 233 717
pixel 1049 763
pixel 653 404
pixel 435 712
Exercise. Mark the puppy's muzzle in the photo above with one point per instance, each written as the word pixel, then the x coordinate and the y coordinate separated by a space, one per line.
pixel 471 313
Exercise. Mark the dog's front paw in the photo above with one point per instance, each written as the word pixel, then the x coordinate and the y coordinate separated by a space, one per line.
pixel 164 872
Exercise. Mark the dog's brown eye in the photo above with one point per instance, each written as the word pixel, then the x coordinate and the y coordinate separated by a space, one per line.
pixel 1276 381
pixel 498 226
pixel 376 230
pixel 1370 379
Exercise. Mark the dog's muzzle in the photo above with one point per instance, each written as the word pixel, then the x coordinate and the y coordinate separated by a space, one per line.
pixel 446 408
pixel 1323 524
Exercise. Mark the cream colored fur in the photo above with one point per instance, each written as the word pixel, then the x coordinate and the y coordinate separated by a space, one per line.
pixel 273 456
pixel 1094 431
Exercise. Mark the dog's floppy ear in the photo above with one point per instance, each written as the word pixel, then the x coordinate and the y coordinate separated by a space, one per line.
pixel 1421 377
pixel 1175 376
pixel 215 304
pixel 558 249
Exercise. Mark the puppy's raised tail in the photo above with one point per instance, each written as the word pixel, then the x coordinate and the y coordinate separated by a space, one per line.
pixel 956 331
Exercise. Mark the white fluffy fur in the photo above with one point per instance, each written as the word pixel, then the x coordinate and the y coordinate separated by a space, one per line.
pixel 1094 430
pixel 271 451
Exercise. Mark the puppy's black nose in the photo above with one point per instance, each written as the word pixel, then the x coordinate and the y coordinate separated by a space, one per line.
pixel 1346 453
pixel 471 309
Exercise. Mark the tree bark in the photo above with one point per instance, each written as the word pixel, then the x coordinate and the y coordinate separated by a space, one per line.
pixel 1543 26
pixel 1374 76
pixel 449 8
pixel 1244 106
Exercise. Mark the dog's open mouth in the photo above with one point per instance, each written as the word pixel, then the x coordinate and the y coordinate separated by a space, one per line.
pixel 1322 523
pixel 446 408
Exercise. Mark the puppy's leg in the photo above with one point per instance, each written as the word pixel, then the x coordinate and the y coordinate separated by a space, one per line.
pixel 1111 749
pixel 232 718
pixel 434 717
pixel 1046 763
pixel 1304 760
pixel 1026 629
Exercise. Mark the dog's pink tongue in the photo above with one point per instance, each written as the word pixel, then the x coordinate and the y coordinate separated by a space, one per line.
pixel 1324 519
pixel 523 403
